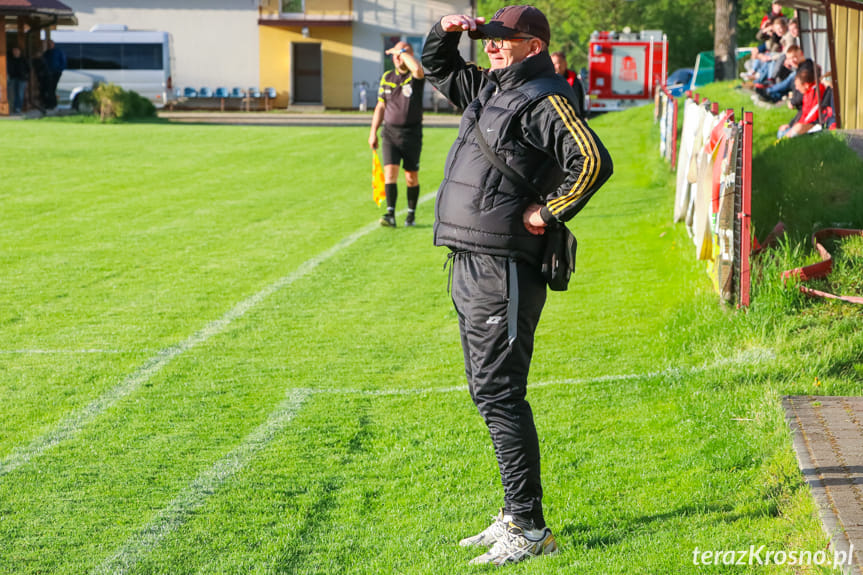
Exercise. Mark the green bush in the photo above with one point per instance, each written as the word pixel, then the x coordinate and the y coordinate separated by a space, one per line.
pixel 809 183
pixel 111 102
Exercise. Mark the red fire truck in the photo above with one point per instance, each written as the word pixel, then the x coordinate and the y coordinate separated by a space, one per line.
pixel 625 68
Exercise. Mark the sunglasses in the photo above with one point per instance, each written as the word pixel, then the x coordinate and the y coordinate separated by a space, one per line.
pixel 497 43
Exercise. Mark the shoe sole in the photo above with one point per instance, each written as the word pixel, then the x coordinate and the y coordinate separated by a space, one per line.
pixel 550 548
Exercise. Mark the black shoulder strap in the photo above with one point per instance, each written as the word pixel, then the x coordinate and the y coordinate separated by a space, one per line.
pixel 495 160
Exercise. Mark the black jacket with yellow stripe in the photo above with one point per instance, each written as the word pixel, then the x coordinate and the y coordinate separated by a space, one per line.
pixel 527 115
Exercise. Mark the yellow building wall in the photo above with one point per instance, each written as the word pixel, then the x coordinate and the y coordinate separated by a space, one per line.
pixel 848 76
pixel 328 7
pixel 272 8
pixel 336 56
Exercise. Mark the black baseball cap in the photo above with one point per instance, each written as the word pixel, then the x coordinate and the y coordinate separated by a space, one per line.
pixel 512 20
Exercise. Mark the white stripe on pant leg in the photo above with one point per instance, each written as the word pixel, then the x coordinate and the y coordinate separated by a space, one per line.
pixel 178 511
pixel 75 421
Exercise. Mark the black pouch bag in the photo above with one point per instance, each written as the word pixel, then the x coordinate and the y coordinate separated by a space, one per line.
pixel 558 261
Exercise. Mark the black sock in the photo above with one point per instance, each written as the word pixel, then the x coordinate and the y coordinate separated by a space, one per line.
pixel 413 196
pixel 392 192
pixel 529 523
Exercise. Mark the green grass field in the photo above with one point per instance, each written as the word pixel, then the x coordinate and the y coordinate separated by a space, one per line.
pixel 213 360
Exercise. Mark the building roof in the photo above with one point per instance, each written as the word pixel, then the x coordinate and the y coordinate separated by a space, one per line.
pixel 43 11
pixel 822 4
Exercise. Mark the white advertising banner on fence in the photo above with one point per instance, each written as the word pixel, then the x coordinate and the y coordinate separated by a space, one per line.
pixel 707 190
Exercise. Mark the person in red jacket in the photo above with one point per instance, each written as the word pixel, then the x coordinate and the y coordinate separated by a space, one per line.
pixel 805 82
pixel 562 69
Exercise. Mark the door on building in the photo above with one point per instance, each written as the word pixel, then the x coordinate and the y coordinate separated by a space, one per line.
pixel 307 73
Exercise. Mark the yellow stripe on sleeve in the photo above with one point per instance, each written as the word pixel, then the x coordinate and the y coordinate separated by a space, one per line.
pixel 593 153
pixel 566 121
pixel 588 149
pixel 590 169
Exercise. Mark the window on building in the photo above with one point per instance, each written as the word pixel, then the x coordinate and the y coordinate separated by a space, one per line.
pixel 293 6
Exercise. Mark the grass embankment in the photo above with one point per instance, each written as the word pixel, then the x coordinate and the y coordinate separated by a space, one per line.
pixel 210 362
pixel 807 183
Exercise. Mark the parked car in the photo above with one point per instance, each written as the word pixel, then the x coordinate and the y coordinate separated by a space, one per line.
pixel 679 81
pixel 137 60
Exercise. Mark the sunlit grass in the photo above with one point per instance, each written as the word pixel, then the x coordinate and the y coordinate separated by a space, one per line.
pixel 657 408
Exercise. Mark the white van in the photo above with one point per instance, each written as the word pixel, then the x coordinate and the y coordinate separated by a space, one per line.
pixel 135 60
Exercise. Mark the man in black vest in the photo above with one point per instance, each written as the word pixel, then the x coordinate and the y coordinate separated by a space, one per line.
pixel 494 227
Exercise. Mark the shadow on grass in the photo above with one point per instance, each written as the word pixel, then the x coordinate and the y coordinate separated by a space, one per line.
pixel 594 537
pixel 318 518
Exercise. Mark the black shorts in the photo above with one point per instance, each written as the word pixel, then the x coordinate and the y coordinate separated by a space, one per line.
pixel 401 145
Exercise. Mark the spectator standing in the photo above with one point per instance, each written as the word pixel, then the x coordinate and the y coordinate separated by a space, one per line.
pixel 400 109
pixel 43 79
pixel 55 60
pixel 562 69
pixel 524 114
pixel 19 73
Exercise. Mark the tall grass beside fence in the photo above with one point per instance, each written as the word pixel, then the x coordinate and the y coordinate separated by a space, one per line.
pixel 807 183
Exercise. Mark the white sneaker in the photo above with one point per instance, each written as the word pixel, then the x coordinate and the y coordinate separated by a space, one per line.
pixel 516 546
pixel 489 536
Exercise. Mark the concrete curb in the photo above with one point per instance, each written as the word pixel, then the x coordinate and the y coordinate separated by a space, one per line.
pixel 828 441
pixel 294 119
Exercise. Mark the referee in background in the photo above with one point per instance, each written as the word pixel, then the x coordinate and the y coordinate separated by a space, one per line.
pixel 400 109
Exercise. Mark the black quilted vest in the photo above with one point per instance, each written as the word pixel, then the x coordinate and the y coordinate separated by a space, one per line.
pixel 478 209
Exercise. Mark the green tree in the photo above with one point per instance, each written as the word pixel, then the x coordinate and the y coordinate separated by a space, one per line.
pixel 725 41
pixel 689 24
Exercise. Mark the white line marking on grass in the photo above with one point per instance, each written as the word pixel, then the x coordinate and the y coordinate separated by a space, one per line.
pixel 178 511
pixel 193 497
pixel 454 388
pixel 58 351
pixel 75 421
pixel 749 357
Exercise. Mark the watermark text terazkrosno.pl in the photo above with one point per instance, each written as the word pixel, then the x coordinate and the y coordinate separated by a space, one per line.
pixel 761 555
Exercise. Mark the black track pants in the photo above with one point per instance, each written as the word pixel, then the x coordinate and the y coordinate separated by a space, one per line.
pixel 499 302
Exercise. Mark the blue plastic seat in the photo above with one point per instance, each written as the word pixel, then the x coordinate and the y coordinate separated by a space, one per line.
pixel 190 93
pixel 254 93
pixel 237 92
pixel 270 93
pixel 221 92
pixel 205 92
